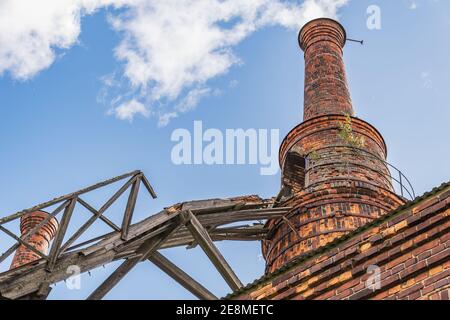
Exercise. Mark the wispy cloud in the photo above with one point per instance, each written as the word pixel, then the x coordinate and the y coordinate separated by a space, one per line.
pixel 169 49
pixel 31 32
pixel 165 118
pixel 128 110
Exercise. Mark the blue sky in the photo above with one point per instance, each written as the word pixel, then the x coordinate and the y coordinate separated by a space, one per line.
pixel 60 129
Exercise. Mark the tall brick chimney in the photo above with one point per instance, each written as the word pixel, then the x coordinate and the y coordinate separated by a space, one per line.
pixel 326 89
pixel 334 173
pixel 40 240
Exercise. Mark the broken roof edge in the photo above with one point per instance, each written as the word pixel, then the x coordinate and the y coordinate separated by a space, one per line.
pixel 322 250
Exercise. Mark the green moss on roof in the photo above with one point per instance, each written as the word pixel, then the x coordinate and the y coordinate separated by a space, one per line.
pixel 302 259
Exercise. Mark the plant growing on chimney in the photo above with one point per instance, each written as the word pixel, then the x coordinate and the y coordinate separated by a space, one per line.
pixel 346 133
pixel 314 155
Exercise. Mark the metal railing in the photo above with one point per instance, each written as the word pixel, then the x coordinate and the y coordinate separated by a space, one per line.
pixel 403 185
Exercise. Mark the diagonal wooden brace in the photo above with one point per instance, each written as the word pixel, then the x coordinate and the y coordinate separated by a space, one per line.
pixel 206 243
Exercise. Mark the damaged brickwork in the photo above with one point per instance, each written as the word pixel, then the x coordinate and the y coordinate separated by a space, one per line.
pixel 333 185
pixel 410 247
pixel 349 236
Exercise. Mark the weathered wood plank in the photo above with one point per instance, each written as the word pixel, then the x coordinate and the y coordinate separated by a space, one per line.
pixel 207 244
pixel 66 197
pixel 135 231
pixel 57 242
pixel 101 216
pixel 223 218
pixel 110 247
pixel 181 277
pixel 9 252
pixel 25 244
pixel 28 279
pixel 43 292
pixel 21 281
pixel 84 227
pixel 149 187
pixel 131 204
pixel 143 252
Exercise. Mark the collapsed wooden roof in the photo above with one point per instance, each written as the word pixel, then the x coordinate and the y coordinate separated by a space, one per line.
pixel 185 224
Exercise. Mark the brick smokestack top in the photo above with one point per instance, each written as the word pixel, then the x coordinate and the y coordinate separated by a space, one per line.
pixel 334 173
pixel 40 240
pixel 326 89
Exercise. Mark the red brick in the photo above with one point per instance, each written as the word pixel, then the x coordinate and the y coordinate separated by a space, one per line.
pixel 40 240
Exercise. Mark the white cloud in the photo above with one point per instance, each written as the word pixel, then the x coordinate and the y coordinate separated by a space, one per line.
pixel 188 103
pixel 30 31
pixel 168 47
pixel 165 118
pixel 128 110
pixel 192 99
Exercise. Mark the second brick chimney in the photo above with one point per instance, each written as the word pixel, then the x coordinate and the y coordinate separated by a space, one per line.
pixel 39 240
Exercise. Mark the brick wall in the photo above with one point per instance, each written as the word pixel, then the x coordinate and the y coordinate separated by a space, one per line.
pixel 409 249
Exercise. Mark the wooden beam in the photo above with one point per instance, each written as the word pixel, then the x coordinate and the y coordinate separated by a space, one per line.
pixel 221 218
pixel 67 197
pixel 149 187
pixel 9 252
pixel 96 213
pixel 206 243
pixel 41 294
pixel 110 247
pixel 181 277
pixel 25 280
pixel 25 244
pixel 143 252
pixel 137 231
pixel 99 213
pixel 26 236
pixel 78 233
pixel 129 210
pixel 57 242
pixel 43 291
pixel 84 243
pixel 114 279
pixel 22 281
pixel 118 194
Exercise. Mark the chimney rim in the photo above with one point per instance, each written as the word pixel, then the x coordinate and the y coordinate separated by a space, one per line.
pixel 317 20
pixel 43 211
